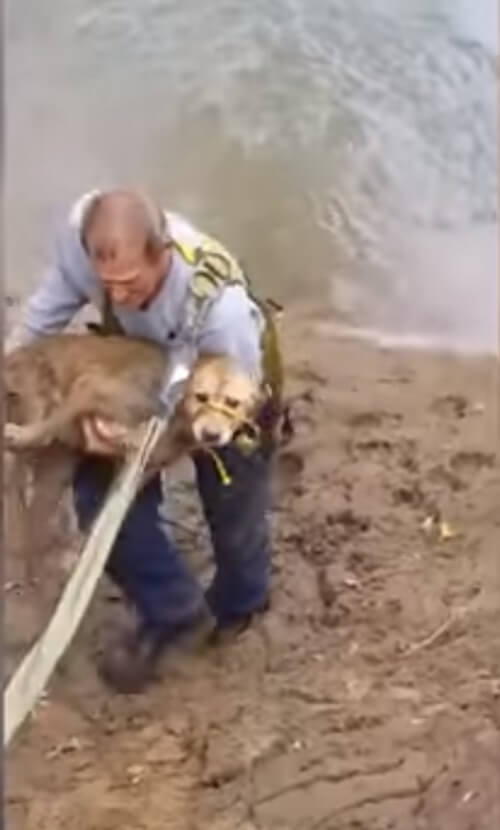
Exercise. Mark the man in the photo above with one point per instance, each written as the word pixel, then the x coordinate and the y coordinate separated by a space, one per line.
pixel 141 264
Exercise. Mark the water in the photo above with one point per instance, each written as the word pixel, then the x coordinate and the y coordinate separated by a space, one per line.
pixel 346 149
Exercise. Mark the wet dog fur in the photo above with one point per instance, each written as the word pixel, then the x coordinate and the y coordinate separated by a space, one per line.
pixel 54 382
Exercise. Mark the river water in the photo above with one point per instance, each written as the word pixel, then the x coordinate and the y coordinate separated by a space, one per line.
pixel 346 149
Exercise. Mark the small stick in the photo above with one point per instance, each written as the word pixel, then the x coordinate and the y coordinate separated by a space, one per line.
pixel 435 635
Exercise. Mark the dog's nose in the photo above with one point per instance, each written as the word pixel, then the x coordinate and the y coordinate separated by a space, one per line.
pixel 210 436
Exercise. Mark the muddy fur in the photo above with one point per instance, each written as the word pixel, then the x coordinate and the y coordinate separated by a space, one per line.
pixel 53 383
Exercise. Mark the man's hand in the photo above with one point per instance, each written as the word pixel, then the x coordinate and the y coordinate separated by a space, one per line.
pixel 104 437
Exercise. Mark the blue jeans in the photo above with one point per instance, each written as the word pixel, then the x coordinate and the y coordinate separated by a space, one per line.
pixel 150 569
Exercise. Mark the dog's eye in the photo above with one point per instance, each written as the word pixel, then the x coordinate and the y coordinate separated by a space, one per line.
pixel 201 397
pixel 231 403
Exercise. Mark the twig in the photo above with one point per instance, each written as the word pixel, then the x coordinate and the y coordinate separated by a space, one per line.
pixel 332 778
pixel 453 617
pixel 378 798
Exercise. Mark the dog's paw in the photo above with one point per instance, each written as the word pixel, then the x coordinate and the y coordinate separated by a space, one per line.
pixel 13 435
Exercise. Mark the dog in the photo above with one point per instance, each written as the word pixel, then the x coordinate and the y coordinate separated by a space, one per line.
pixel 58 380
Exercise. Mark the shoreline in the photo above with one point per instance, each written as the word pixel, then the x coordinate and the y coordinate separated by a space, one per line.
pixel 324 324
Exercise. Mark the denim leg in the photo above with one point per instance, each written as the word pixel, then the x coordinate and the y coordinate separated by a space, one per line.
pixel 144 562
pixel 237 518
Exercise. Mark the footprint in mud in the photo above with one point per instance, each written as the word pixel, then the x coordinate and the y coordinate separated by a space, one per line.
pixel 361 563
pixel 374 418
pixel 411 495
pixel 408 460
pixel 319 543
pixel 442 475
pixel 402 451
pixel 467 460
pixel 288 470
pixel 350 523
pixel 298 412
pixel 290 464
pixel 372 445
pixel 455 406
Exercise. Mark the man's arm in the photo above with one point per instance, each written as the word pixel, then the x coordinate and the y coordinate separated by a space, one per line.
pixel 233 327
pixel 54 303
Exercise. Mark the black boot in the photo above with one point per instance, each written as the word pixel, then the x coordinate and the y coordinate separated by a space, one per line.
pixel 130 664
pixel 228 630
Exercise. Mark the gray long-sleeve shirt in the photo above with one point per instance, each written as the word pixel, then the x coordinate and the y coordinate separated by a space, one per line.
pixel 232 325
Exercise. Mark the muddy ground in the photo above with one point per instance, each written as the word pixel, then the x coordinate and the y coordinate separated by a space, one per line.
pixel 368 697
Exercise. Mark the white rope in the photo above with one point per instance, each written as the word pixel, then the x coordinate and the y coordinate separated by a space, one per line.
pixel 31 677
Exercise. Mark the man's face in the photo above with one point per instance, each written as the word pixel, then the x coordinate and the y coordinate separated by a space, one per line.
pixel 130 277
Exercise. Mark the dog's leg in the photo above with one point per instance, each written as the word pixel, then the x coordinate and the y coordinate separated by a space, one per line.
pixel 84 397
pixel 52 474
pixel 16 508
pixel 88 397
pixel 40 433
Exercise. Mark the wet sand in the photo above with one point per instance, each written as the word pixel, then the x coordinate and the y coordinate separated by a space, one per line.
pixel 368 697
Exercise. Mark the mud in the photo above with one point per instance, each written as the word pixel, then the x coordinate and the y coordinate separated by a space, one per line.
pixel 368 696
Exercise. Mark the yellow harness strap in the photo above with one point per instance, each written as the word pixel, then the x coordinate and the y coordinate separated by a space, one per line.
pixel 224 476
pixel 190 255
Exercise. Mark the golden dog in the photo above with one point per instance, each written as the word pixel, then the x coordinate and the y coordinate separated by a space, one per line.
pixel 56 381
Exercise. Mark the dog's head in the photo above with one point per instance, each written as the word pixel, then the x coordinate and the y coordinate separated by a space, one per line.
pixel 219 400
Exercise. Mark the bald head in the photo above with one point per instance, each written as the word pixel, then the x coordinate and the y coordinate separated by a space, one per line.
pixel 123 218
pixel 125 236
